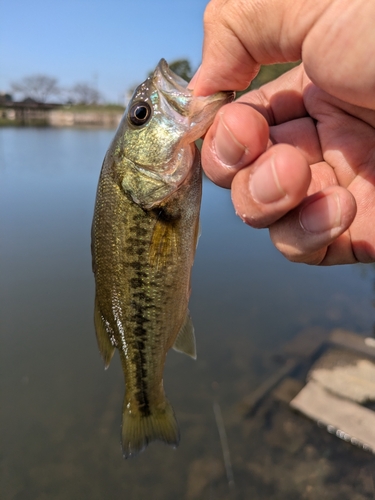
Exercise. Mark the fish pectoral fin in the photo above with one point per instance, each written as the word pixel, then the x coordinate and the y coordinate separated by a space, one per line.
pixel 164 244
pixel 185 341
pixel 105 346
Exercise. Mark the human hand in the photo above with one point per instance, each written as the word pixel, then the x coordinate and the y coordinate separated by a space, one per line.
pixel 299 153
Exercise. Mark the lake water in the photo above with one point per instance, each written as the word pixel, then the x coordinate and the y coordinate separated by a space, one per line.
pixel 60 411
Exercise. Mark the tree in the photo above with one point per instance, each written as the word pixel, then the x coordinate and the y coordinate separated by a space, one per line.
pixel 182 68
pixel 83 93
pixel 267 74
pixel 38 87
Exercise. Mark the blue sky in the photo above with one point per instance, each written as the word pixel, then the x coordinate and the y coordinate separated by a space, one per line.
pixel 111 42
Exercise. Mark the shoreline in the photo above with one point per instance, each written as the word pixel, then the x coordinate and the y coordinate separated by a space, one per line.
pixel 69 116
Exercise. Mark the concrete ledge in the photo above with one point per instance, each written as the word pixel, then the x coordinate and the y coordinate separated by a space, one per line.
pixel 66 118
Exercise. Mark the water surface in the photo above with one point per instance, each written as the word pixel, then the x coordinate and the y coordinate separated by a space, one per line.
pixel 60 411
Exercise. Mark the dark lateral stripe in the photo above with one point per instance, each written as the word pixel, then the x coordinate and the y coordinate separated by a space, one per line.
pixel 137 246
pixel 141 376
pixel 140 321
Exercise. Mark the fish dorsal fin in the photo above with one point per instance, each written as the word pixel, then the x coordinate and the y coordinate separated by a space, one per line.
pixel 105 346
pixel 185 341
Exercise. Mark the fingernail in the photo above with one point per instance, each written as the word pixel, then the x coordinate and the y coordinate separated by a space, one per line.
pixel 227 148
pixel 321 215
pixel 264 184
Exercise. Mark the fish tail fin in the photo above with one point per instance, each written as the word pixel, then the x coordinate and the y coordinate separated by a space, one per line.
pixel 140 429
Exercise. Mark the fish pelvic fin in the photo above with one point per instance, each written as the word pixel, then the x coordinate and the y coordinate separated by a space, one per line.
pixel 138 430
pixel 185 341
pixel 105 346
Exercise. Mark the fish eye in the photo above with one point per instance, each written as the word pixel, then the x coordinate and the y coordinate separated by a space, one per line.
pixel 140 113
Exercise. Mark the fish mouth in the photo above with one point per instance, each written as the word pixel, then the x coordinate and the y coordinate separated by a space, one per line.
pixel 199 111
pixel 171 80
pixel 173 88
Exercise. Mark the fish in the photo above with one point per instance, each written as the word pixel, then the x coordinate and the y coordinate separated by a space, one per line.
pixel 144 236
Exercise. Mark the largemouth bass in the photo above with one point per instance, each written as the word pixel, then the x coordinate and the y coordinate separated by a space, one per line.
pixel 144 235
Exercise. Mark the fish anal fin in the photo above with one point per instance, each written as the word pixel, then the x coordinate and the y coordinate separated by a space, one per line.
pixel 139 430
pixel 105 346
pixel 185 341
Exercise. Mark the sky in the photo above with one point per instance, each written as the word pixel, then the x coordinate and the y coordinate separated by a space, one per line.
pixel 110 44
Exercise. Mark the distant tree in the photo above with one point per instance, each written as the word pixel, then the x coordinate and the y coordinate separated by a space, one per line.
pixel 83 93
pixel 267 74
pixel 182 68
pixel 38 87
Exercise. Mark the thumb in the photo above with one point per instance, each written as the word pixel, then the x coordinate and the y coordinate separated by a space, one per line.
pixel 239 35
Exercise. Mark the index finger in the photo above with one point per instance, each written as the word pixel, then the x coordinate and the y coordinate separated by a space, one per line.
pixel 241 35
pixel 237 68
pixel 282 99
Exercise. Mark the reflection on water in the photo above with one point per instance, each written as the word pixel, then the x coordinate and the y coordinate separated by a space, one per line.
pixel 60 411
